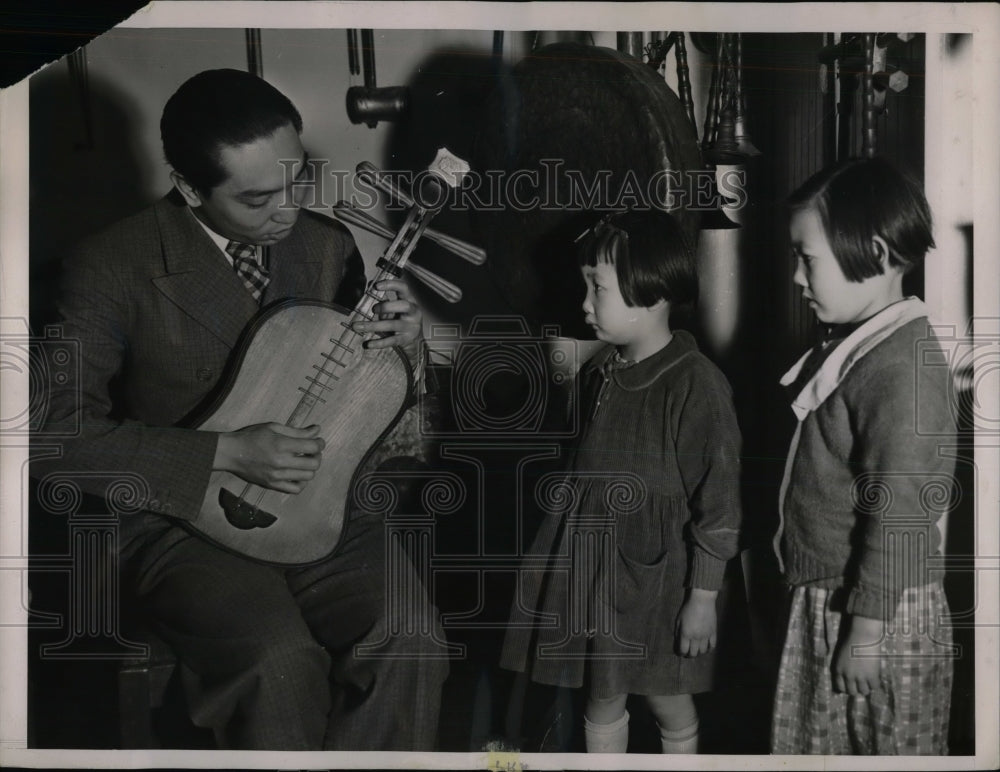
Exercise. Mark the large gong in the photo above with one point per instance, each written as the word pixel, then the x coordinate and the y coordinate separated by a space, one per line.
pixel 572 128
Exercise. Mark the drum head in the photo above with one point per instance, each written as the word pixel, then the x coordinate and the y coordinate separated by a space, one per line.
pixel 570 130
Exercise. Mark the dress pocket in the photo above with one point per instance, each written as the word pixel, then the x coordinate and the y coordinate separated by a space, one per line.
pixel 638 585
pixel 649 550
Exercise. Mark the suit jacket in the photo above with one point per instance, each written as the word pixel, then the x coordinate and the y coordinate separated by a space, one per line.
pixel 158 311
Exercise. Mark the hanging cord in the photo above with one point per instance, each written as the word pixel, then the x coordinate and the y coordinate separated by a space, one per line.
pixel 80 78
pixel 368 56
pixel 353 65
pixel 254 63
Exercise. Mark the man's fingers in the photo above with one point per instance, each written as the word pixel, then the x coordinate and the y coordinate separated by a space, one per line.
pixel 305 432
pixel 403 307
pixel 400 287
pixel 288 474
pixel 298 462
pixel 287 486
pixel 302 448
pixel 386 325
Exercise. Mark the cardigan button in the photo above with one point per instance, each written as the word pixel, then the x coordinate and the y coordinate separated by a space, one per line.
pixel 205 374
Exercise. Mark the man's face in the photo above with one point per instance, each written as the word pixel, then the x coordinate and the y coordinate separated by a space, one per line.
pixel 258 202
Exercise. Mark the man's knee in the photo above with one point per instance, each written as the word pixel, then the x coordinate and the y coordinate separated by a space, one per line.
pixel 290 657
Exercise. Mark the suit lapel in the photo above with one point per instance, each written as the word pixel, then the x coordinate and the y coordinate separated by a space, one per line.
pixel 197 278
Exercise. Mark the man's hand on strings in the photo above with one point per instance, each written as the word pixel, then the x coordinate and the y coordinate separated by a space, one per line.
pixel 400 319
pixel 272 455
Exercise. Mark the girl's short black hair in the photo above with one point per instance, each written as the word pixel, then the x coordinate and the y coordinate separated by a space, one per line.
pixel 860 199
pixel 651 255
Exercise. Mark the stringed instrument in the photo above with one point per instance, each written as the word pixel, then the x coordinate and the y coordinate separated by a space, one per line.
pixel 301 363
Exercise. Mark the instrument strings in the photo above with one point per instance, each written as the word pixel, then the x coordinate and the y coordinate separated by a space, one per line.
pixel 390 266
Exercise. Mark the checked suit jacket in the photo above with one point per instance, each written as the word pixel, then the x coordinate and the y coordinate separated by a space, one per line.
pixel 158 313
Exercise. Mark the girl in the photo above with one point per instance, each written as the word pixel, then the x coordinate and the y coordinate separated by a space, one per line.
pixel 628 593
pixel 866 665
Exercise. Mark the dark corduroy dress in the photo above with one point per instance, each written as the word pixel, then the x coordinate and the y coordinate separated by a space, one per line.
pixel 649 507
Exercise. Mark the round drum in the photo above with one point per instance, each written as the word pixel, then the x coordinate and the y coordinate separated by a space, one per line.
pixel 573 129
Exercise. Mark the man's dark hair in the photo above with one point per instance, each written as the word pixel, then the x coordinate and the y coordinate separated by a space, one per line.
pixel 218 108
pixel 859 199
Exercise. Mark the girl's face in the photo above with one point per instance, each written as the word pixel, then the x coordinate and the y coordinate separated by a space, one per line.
pixel 606 311
pixel 834 299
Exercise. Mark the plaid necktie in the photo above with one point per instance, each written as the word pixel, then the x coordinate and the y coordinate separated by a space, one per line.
pixel 247 268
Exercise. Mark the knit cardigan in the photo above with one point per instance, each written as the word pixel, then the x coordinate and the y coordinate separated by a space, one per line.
pixel 869 474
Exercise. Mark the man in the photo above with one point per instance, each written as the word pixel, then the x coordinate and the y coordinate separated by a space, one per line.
pixel 155 301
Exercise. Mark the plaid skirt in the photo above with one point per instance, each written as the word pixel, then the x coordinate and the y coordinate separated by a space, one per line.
pixel 907 715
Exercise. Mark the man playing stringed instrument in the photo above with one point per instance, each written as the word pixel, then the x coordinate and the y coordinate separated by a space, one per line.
pixel 158 302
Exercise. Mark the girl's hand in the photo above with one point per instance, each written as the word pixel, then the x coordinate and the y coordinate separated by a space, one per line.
pixel 858 675
pixel 696 623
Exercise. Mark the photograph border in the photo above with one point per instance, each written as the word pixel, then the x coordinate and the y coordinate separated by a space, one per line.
pixel 981 20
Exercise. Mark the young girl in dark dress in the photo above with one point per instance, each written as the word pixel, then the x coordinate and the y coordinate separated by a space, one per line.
pixel 626 600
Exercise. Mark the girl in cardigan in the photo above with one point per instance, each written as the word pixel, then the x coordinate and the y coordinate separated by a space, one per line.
pixel 866 665
pixel 619 589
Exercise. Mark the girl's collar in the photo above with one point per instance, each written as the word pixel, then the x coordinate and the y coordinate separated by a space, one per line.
pixel 855 346
pixel 639 375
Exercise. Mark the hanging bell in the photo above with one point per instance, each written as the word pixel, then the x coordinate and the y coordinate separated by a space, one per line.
pixel 743 144
pixel 726 149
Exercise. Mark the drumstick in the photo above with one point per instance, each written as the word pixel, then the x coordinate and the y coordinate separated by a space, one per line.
pixel 370 174
pixel 344 211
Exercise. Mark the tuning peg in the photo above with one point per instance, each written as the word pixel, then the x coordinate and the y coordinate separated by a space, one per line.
pixel 344 211
pixel 442 287
pixel 468 252
pixel 448 168
pixel 369 173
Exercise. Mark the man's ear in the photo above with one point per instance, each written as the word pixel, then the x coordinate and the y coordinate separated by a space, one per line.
pixel 191 196
pixel 881 252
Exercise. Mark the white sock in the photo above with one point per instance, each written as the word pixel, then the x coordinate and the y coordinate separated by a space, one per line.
pixel 606 738
pixel 680 740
